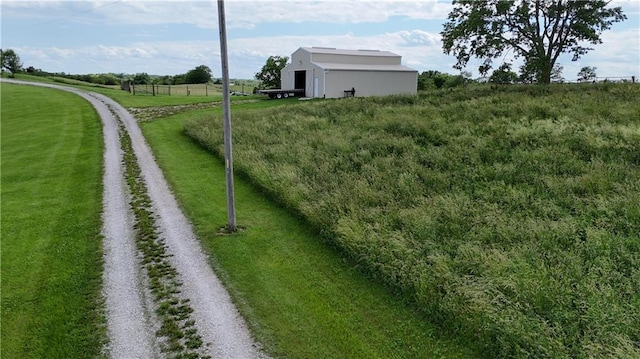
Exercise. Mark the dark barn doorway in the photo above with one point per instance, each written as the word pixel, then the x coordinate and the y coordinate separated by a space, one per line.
pixel 300 81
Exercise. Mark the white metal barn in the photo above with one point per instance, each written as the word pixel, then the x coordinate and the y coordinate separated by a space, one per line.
pixel 333 73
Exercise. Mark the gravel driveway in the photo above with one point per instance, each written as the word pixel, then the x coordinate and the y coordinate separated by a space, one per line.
pixel 132 308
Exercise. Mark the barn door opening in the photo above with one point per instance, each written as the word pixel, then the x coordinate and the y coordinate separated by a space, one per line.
pixel 300 80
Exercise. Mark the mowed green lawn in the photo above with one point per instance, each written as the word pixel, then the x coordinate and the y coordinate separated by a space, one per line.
pixel 51 219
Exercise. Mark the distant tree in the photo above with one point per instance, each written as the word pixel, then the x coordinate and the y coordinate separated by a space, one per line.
pixel 166 80
pixel 454 81
pixel 426 80
pixel 200 75
pixel 439 80
pixel 10 61
pixel 433 79
pixel 503 75
pixel 466 77
pixel 179 79
pixel 106 79
pixel 269 75
pixel 537 30
pixel 556 73
pixel 141 78
pixel 587 74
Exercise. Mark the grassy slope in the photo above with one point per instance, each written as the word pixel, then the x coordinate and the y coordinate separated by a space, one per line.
pixel 511 214
pixel 301 299
pixel 51 249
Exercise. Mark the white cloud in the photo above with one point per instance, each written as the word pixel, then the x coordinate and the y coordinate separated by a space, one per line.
pixel 419 49
pixel 617 56
pixel 249 13
pixel 239 14
pixel 630 7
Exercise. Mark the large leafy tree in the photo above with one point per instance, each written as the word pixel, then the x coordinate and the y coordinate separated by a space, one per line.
pixel 537 30
pixel 200 75
pixel 269 75
pixel 10 61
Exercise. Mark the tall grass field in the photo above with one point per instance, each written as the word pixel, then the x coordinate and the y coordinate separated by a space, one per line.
pixel 51 205
pixel 509 215
pixel 299 296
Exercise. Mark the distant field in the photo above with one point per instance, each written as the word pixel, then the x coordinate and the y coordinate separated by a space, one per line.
pixel 510 215
pixel 179 90
pixel 161 90
pixel 142 100
pixel 51 219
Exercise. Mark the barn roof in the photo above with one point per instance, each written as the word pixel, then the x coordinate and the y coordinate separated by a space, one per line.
pixel 334 51
pixel 363 67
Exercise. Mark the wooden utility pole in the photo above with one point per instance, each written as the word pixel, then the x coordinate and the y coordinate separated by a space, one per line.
pixel 226 113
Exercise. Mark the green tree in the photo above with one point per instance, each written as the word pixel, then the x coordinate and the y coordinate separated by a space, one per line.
pixel 141 78
pixel 537 30
pixel 179 79
pixel 269 75
pixel 426 80
pixel 529 75
pixel 587 74
pixel 556 73
pixel 10 61
pixel 503 75
pixel 200 75
pixel 433 79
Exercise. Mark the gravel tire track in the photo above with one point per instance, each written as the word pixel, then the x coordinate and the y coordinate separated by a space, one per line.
pixel 130 311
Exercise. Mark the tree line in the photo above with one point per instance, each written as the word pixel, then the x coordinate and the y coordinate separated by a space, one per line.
pixel 202 74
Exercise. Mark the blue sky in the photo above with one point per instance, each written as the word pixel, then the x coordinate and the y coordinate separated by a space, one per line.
pixel 173 37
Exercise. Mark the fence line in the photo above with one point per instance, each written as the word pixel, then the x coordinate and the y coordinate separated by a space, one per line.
pixel 172 90
pixel 631 79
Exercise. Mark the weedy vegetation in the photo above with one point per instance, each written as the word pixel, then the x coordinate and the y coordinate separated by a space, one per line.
pixel 509 215
pixel 298 295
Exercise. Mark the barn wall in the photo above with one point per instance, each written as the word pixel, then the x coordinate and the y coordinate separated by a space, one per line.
pixel 300 60
pixel 287 76
pixel 371 83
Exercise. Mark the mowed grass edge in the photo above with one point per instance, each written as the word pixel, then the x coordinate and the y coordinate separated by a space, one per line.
pixel 51 220
pixel 299 296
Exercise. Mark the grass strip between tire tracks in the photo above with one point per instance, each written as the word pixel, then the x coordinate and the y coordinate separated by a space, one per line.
pixel 174 312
